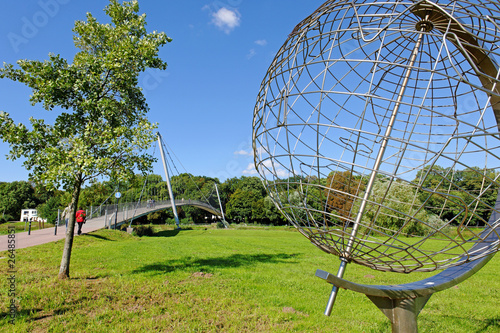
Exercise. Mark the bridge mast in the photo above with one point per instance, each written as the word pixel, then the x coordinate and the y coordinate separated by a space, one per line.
pixel 170 192
pixel 220 205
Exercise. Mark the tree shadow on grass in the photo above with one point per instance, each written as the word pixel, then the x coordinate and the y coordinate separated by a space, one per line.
pixel 170 233
pixel 207 264
pixel 166 233
pixel 33 314
pixel 100 237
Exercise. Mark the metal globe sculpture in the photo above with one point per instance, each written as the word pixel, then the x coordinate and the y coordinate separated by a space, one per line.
pixel 376 131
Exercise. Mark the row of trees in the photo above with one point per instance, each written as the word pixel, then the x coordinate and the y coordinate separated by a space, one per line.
pixel 245 200
pixel 438 196
pixel 19 195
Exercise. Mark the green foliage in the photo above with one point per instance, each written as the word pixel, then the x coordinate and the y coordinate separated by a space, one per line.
pixel 186 221
pixel 170 221
pixel 245 199
pixel 272 214
pixel 396 208
pixel 96 194
pixel 101 128
pixel 49 210
pixel 457 193
pixel 16 196
pixel 187 186
pixel 242 205
pixel 143 230
pixel 160 217
pixel 6 218
pixel 107 131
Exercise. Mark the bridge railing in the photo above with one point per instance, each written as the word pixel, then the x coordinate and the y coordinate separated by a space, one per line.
pixel 126 207
pixel 127 210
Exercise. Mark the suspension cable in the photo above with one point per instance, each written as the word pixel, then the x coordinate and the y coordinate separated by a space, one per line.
pixel 142 191
pixel 167 148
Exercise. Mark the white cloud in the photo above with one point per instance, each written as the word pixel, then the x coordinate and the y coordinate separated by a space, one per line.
pixel 243 152
pixel 282 173
pixel 226 19
pixel 253 52
pixel 268 165
pixel 250 170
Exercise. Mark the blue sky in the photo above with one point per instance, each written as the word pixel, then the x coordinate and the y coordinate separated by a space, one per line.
pixel 203 102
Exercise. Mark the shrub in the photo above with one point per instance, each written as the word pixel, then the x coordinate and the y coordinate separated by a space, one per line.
pixel 144 230
pixel 170 221
pixel 6 218
pixel 187 220
pixel 123 227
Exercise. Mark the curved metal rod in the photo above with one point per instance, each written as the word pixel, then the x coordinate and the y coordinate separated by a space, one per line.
pixel 444 280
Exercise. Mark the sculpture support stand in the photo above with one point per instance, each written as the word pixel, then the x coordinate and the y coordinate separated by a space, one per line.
pixel 400 304
pixel 401 312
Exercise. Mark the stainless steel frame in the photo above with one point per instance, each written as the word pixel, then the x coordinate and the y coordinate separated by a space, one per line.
pixel 365 121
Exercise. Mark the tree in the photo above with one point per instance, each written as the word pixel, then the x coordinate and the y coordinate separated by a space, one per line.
pixel 396 208
pixel 272 213
pixel 96 194
pixel 49 209
pixel 342 189
pixel 245 197
pixel 102 129
pixel 16 196
pixel 454 194
pixel 242 204
pixel 187 186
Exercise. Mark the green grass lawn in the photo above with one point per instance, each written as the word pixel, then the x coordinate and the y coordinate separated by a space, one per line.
pixel 23 226
pixel 218 280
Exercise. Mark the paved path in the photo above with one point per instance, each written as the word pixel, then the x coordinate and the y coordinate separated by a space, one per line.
pixel 43 236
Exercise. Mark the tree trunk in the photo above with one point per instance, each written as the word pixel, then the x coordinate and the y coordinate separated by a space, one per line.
pixel 70 232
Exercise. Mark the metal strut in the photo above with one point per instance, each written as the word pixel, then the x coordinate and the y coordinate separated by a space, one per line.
pixel 376 167
pixel 170 192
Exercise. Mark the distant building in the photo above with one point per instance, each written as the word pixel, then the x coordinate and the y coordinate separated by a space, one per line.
pixel 29 215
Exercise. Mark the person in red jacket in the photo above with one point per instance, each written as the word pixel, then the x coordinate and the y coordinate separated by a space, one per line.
pixel 80 219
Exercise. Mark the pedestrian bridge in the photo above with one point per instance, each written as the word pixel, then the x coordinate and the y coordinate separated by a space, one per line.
pixel 129 211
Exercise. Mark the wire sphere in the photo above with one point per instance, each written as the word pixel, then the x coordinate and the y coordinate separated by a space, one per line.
pixel 376 131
